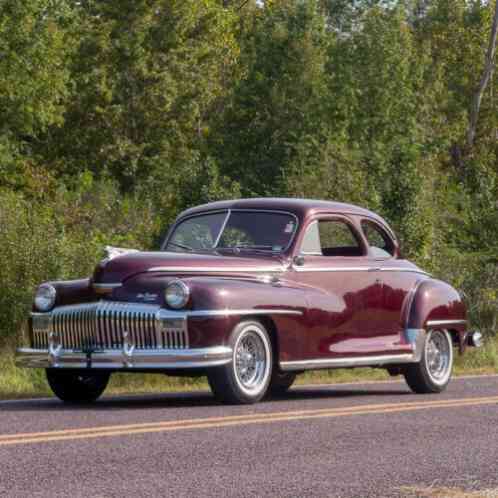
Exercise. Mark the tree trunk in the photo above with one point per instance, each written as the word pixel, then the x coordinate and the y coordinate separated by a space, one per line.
pixel 489 66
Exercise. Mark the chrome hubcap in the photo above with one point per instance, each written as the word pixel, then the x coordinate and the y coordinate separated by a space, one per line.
pixel 438 354
pixel 250 361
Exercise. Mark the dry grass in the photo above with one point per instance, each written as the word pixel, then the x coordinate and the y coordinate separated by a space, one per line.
pixel 443 492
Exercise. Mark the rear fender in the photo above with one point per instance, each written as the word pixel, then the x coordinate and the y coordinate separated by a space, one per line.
pixel 435 304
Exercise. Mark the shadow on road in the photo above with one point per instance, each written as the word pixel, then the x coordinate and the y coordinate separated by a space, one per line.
pixel 193 399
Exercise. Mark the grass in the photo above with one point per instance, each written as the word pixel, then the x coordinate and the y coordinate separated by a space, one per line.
pixel 443 492
pixel 23 383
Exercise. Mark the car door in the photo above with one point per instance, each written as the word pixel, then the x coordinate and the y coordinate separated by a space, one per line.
pixel 397 282
pixel 344 294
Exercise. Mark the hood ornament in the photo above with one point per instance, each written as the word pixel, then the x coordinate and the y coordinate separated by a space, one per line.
pixel 112 252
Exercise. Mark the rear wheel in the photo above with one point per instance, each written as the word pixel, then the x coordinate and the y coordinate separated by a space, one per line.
pixel 433 373
pixel 73 386
pixel 246 378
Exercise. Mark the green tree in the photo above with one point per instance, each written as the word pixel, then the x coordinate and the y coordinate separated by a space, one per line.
pixel 35 46
pixel 146 77
pixel 276 112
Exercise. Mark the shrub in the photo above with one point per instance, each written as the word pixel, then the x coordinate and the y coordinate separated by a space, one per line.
pixel 61 236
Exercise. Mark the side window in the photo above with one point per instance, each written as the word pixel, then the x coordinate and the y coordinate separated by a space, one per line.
pixel 381 245
pixel 331 238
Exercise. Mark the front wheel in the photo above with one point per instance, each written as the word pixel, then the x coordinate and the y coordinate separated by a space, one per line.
pixel 246 378
pixel 432 374
pixel 73 386
pixel 281 382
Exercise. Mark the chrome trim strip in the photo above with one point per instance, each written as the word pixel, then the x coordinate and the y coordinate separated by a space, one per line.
pixel 107 286
pixel 222 229
pixel 126 358
pixel 362 361
pixel 409 270
pixel 331 269
pixel 434 323
pixel 165 314
pixel 227 312
pixel 358 268
pixel 193 269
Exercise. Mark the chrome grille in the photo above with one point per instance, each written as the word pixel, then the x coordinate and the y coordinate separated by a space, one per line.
pixel 109 325
pixel 40 324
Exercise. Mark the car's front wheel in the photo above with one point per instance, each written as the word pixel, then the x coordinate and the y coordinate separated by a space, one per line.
pixel 433 372
pixel 73 386
pixel 281 382
pixel 246 378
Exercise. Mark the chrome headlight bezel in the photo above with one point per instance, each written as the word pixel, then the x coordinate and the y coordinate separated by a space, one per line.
pixel 177 294
pixel 45 297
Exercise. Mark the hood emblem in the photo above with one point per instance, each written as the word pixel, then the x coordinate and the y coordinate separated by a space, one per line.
pixel 146 296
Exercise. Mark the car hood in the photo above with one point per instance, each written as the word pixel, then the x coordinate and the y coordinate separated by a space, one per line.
pixel 120 268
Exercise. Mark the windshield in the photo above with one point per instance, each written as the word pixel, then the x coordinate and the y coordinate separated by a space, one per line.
pixel 242 230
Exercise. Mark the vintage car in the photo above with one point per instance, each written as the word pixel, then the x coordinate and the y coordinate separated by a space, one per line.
pixel 251 293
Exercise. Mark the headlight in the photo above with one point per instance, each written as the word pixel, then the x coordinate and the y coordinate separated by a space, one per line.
pixel 177 294
pixel 45 297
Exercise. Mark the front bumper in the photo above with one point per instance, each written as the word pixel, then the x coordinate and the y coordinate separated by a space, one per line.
pixel 125 359
pixel 116 335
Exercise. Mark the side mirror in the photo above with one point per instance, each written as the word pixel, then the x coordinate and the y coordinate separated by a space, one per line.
pixel 299 260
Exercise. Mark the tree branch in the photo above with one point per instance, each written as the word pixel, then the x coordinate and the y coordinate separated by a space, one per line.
pixel 486 76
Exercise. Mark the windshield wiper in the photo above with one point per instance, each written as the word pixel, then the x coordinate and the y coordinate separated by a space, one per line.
pixel 262 247
pixel 181 246
pixel 258 248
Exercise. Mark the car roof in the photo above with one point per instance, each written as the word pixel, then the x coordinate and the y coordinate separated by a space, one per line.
pixel 302 208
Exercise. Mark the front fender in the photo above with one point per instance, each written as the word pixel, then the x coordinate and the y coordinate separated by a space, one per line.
pixel 280 304
pixel 72 291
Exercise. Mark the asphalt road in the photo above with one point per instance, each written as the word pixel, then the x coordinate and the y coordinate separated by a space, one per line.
pixel 369 440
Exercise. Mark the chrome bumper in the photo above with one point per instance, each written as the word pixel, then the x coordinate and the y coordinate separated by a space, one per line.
pixel 115 335
pixel 126 359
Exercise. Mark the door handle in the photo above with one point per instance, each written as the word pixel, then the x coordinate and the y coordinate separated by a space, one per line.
pixel 374 268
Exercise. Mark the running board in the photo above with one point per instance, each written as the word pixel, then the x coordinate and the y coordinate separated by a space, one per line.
pixel 358 361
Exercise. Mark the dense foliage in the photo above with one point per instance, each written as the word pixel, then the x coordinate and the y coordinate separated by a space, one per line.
pixel 115 115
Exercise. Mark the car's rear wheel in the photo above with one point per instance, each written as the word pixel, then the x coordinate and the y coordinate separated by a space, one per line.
pixel 281 382
pixel 246 378
pixel 76 386
pixel 433 372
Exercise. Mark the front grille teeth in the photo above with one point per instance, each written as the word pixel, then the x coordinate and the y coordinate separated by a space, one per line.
pixel 94 326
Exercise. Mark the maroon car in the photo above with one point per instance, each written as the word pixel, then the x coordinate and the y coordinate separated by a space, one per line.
pixel 251 293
